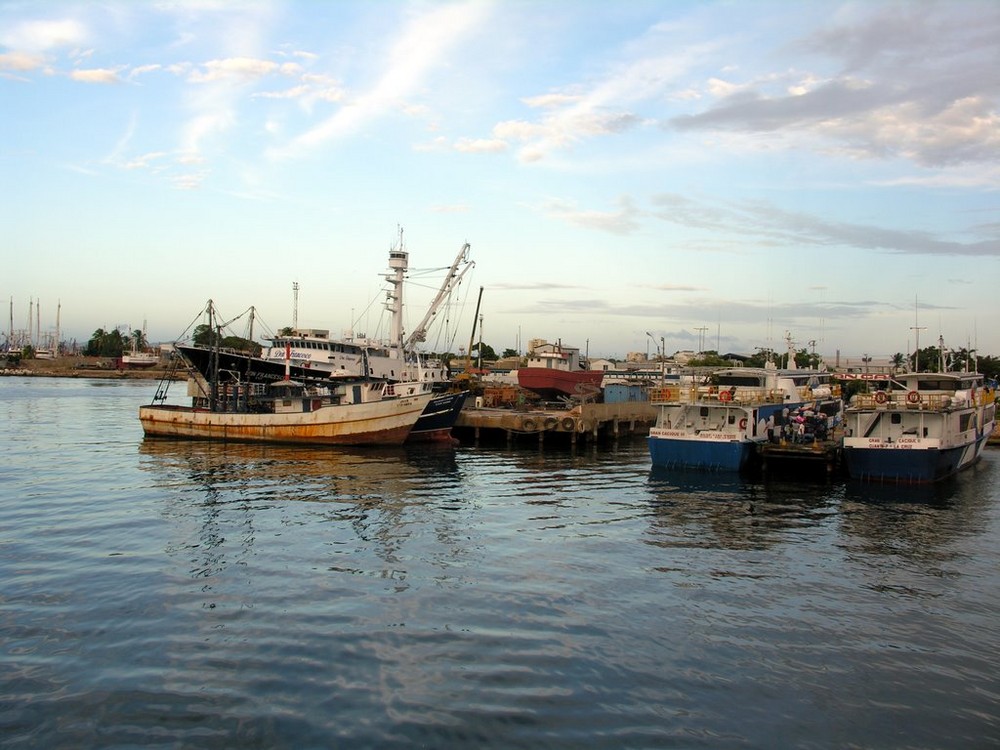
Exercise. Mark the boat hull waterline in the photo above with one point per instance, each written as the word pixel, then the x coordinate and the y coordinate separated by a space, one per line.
pixel 386 422
pixel 910 463
pixel 726 454
pixel 438 417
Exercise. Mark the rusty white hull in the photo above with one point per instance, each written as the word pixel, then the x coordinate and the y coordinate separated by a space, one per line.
pixel 385 422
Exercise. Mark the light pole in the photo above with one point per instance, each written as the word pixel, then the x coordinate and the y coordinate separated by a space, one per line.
pixel 661 352
pixel 663 362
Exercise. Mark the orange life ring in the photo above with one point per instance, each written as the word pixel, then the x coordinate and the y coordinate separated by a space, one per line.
pixel 913 397
pixel 881 397
pixel 725 396
pixel 743 423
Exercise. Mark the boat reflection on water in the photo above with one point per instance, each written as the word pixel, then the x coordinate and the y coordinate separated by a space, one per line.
pixel 725 510
pixel 354 507
pixel 271 472
pixel 917 522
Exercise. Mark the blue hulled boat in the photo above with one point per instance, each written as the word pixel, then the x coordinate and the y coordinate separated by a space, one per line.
pixel 920 428
pixel 714 422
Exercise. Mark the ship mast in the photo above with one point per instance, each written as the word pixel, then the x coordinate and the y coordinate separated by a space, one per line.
pixel 452 279
pixel 398 263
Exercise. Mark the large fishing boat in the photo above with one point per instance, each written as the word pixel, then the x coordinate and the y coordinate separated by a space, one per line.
pixel 919 427
pixel 364 412
pixel 714 421
pixel 312 356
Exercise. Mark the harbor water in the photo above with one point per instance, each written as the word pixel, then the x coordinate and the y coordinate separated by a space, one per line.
pixel 198 595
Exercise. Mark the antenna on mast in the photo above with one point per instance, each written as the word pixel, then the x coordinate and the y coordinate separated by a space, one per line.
pixel 295 305
pixel 917 329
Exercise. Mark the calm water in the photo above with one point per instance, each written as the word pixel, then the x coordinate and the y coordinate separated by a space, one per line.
pixel 158 594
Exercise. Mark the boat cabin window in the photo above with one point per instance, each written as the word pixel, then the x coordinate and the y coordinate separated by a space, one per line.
pixel 896 418
pixel 732 419
pixel 936 385
pixel 747 380
pixel 704 411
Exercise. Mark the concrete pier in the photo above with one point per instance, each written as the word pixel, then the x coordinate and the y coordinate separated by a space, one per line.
pixel 578 424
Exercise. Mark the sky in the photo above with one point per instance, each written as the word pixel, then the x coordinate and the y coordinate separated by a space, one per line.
pixel 712 175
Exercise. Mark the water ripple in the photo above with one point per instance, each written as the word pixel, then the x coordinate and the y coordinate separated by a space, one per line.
pixel 184 594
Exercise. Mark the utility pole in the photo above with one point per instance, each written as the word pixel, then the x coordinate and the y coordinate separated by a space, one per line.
pixel 701 339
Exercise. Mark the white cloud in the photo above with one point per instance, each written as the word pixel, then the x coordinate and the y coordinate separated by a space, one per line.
pixel 95 75
pixel 623 221
pixel 190 181
pixel 914 81
pixel 422 46
pixel 40 36
pixel 480 146
pixel 241 69
pixel 142 70
pixel 546 101
pixel 21 61
pixel 145 161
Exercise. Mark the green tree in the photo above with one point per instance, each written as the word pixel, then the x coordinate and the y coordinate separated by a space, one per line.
pixel 929 359
pixel 709 358
pixel 485 351
pixel 509 353
pixel 757 359
pixel 204 336
pixel 105 344
pixel 989 366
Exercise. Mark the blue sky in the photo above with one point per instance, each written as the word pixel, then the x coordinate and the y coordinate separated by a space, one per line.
pixel 714 173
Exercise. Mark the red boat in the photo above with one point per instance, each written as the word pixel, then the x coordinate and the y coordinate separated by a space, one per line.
pixel 550 383
pixel 554 370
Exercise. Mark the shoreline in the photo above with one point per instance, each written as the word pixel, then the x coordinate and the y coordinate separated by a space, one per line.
pixel 86 367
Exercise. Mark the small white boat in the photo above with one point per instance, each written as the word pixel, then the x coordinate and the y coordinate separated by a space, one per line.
pixel 140 359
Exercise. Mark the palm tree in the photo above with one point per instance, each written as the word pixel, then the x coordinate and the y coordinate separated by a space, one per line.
pixel 897 361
